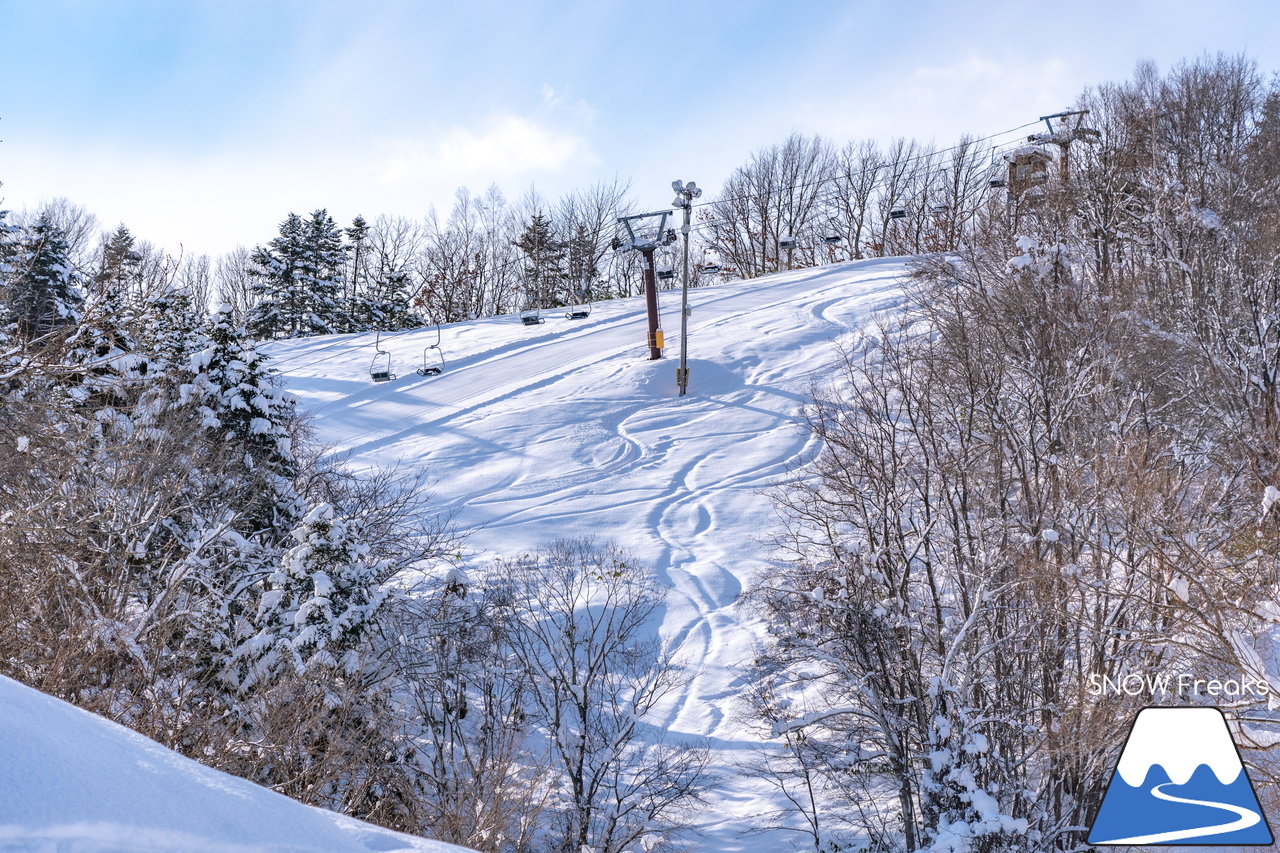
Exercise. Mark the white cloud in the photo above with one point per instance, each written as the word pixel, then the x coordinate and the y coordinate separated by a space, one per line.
pixel 238 194
pixel 975 94
pixel 205 204
pixel 981 85
pixel 509 146
pixel 562 101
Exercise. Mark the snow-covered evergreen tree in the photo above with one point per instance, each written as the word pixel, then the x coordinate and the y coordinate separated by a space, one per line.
pixel 318 606
pixel 8 314
pixel 325 266
pixel 121 265
pixel 581 266
pixel 170 329
pixel 298 280
pixel 102 369
pixel 43 289
pixel 357 234
pixel 386 305
pixel 277 294
pixel 243 408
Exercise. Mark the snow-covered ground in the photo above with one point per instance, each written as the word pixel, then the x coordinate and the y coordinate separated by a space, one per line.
pixel 73 782
pixel 566 430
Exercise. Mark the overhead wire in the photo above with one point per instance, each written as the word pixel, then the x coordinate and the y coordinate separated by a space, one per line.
pixel 348 343
pixel 846 176
pixel 702 226
pixel 835 192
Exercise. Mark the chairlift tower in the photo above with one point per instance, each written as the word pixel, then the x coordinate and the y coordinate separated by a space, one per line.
pixel 1063 135
pixel 645 233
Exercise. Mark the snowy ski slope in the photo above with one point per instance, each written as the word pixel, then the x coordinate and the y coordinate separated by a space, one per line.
pixel 74 782
pixel 565 429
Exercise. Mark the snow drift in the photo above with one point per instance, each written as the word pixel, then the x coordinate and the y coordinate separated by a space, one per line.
pixel 75 782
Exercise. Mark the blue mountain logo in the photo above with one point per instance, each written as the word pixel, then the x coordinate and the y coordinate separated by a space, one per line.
pixel 1180 781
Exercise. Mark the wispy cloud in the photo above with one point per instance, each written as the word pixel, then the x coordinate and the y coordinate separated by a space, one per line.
pixel 983 85
pixel 975 93
pixel 504 147
pixel 562 101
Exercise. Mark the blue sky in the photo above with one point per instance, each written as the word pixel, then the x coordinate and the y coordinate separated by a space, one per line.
pixel 205 123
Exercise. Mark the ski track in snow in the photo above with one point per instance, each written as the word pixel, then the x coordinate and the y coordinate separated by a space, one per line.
pixel 1245 818
pixel 567 430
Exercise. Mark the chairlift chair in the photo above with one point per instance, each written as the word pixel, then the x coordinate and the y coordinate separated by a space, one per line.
pixel 380 367
pixel 996 175
pixel 898 213
pixel 666 274
pixel 788 243
pixel 531 314
pixel 432 366
pixel 580 310
pixel 710 269
pixel 833 239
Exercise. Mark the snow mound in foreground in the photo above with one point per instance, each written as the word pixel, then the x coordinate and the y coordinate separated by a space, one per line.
pixel 73 782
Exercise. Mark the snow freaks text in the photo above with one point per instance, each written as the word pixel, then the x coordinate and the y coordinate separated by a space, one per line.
pixel 1184 684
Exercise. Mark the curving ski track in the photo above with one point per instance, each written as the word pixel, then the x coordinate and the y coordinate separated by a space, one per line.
pixel 1245 818
pixel 567 430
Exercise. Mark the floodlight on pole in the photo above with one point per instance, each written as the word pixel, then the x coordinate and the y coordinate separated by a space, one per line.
pixel 685 194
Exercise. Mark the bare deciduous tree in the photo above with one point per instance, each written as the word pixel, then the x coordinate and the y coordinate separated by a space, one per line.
pixel 581 615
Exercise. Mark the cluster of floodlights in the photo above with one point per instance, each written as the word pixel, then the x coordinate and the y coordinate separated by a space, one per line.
pixel 685 193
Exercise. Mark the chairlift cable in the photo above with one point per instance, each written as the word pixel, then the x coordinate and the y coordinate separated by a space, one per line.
pixel 923 156
pixel 506 266
pixel 835 191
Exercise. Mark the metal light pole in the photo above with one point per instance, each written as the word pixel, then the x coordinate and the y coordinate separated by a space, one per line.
pixel 685 194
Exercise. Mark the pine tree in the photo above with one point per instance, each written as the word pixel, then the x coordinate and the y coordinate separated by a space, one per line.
pixel 275 288
pixel 386 306
pixel 104 353
pixel 544 271
pixel 43 288
pixel 249 414
pixel 241 480
pixel 170 329
pixel 318 605
pixel 325 260
pixel 356 234
pixel 298 280
pixel 8 316
pixel 121 263
pixel 582 265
